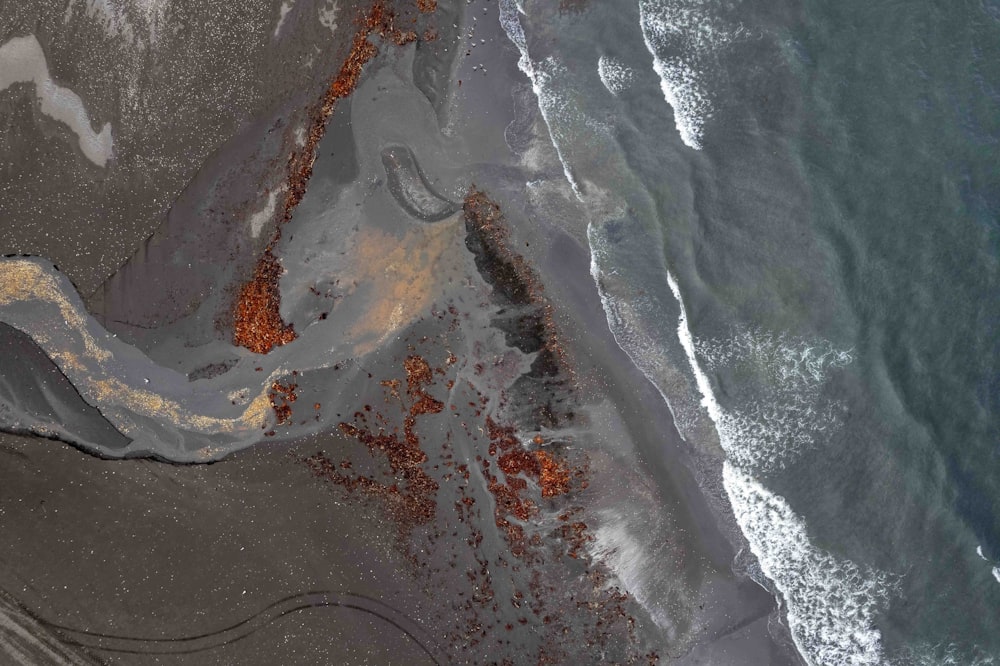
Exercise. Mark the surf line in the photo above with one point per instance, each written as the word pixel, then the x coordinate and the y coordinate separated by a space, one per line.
pixel 779 539
pixel 515 33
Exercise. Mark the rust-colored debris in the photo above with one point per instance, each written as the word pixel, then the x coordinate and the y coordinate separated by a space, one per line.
pixel 519 465
pixel 418 374
pixel 553 476
pixel 281 397
pixel 484 217
pixel 427 6
pixel 574 532
pixel 257 323
pixel 377 21
pixel 412 495
pixel 523 476
pixel 522 486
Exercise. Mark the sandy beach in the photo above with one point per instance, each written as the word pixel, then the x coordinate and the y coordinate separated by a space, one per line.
pixel 456 462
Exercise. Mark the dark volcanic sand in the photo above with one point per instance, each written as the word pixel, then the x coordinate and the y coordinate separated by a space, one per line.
pixel 460 465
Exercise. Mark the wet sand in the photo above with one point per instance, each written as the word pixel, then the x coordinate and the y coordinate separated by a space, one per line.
pixel 459 465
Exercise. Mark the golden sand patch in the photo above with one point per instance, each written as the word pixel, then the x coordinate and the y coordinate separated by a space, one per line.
pixel 27 281
pixel 402 275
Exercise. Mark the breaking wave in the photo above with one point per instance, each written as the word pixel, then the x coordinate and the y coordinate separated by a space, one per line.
pixel 787 413
pixel 683 37
pixel 831 601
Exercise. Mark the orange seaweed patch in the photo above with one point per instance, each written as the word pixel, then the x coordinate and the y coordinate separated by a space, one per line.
pixel 418 373
pixel 412 497
pixel 553 476
pixel 257 321
pixel 377 21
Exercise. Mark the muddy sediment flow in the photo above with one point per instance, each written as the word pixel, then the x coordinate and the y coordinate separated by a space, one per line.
pixel 257 323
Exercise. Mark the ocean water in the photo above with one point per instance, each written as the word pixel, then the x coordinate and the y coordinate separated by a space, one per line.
pixel 792 210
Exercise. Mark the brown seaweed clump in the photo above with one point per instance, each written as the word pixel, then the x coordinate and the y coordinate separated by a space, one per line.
pixel 377 21
pixel 574 610
pixel 511 274
pixel 529 324
pixel 553 476
pixel 427 6
pixel 519 466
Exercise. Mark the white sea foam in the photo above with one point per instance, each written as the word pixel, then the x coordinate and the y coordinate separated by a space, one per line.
pixel 23 61
pixel 996 573
pixel 832 603
pixel 617 546
pixel 650 357
pixel 683 37
pixel 787 413
pixel 943 654
pixel 782 358
pixel 979 552
pixel 616 76
pixel 550 103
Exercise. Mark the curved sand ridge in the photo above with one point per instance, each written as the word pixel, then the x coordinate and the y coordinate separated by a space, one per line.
pixel 158 408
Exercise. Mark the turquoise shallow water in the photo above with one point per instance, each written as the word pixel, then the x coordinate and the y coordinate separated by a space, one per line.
pixel 793 219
